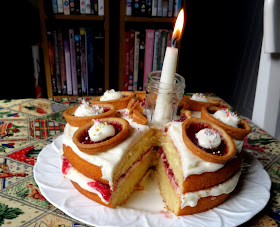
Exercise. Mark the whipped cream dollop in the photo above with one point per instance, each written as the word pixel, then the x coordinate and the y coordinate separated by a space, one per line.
pixel 208 138
pixel 85 109
pixel 100 131
pixel 227 117
pixel 111 95
pixel 199 97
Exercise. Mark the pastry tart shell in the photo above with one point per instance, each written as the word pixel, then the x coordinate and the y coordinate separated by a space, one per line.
pixel 201 153
pixel 195 105
pixel 103 145
pixel 118 103
pixel 235 133
pixel 79 121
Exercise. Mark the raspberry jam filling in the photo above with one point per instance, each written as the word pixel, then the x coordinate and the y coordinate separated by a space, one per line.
pixel 195 128
pixel 66 165
pixel 85 139
pixel 104 189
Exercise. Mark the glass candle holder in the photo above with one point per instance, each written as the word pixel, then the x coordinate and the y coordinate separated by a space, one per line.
pixel 162 99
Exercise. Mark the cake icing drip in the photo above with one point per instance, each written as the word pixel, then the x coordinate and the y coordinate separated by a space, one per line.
pixel 199 97
pixel 100 131
pixel 191 198
pixel 111 95
pixel 227 117
pixel 85 109
pixel 191 164
pixel 208 138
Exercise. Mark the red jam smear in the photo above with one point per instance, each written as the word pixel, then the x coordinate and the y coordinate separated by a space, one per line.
pixel 66 165
pixel 104 189
pixel 221 150
pixel 106 109
pixel 85 139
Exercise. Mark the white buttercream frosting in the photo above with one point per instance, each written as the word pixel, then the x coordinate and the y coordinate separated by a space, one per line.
pixel 191 164
pixel 85 109
pixel 191 198
pixel 100 131
pixel 199 97
pixel 111 95
pixel 208 138
pixel 227 117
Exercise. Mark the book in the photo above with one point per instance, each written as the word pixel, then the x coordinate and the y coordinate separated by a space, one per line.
pixel 83 61
pixel 73 61
pixel 131 59
pixel 57 63
pixel 136 60
pixel 101 7
pixel 77 7
pixel 142 7
pixel 177 7
pixel 149 47
pixel 66 7
pixel 62 61
pixel 54 6
pixel 156 46
pixel 67 63
pixel 88 6
pixel 128 8
pixel 162 47
pixel 149 8
pixel 99 68
pixel 51 59
pixel 126 60
pixel 159 8
pixel 136 11
pixel 83 6
pixel 78 60
pixel 72 6
pixel 89 46
pixel 164 8
pixel 60 6
pixel 170 8
pixel 154 8
pixel 141 60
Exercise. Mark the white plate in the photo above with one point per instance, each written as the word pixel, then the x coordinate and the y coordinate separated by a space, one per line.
pixel 250 197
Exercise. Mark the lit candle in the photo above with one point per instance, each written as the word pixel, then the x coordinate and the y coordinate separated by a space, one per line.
pixel 163 106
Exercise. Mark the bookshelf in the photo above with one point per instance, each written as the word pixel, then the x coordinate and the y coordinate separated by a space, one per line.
pixel 135 22
pixel 47 17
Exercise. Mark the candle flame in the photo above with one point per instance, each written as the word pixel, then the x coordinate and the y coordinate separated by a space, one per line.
pixel 178 28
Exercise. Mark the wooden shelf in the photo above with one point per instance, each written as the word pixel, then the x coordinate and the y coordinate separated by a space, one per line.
pixel 79 17
pixel 150 19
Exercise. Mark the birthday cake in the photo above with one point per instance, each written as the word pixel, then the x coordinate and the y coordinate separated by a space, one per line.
pixel 197 162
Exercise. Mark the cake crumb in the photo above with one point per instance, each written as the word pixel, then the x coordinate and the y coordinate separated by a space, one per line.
pixel 166 214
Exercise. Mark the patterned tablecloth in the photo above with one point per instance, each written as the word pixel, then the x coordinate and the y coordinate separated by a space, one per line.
pixel 28 125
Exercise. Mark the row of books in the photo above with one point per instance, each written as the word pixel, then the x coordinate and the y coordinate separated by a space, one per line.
pixel 76 61
pixel 148 8
pixel 144 53
pixel 68 7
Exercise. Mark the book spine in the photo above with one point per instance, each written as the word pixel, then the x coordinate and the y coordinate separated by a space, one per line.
pixel 136 8
pixel 95 6
pixel 163 47
pixel 62 61
pixel 57 64
pixel 54 6
pixel 156 42
pixel 101 7
pixel 136 60
pixel 169 37
pixel 88 6
pixel 128 8
pixel 83 61
pixel 159 9
pixel 99 62
pixel 67 63
pixel 77 7
pixel 90 60
pixel 149 47
pixel 159 49
pixel 177 7
pixel 73 61
pixel 72 6
pixel 170 8
pixel 149 7
pixel 60 6
pixel 142 7
pixel 78 61
pixel 141 61
pixel 126 61
pixel 51 59
pixel 83 6
pixel 154 8
pixel 164 8
pixel 131 59
pixel 66 7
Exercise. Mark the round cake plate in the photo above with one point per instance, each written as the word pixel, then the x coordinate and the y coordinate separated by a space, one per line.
pixel 250 197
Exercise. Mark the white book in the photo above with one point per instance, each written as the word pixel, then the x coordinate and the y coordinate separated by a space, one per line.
pixel 66 7
pixel 54 6
pixel 60 6
pixel 101 7
pixel 83 6
pixel 154 8
pixel 136 60
pixel 88 7
pixel 128 8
